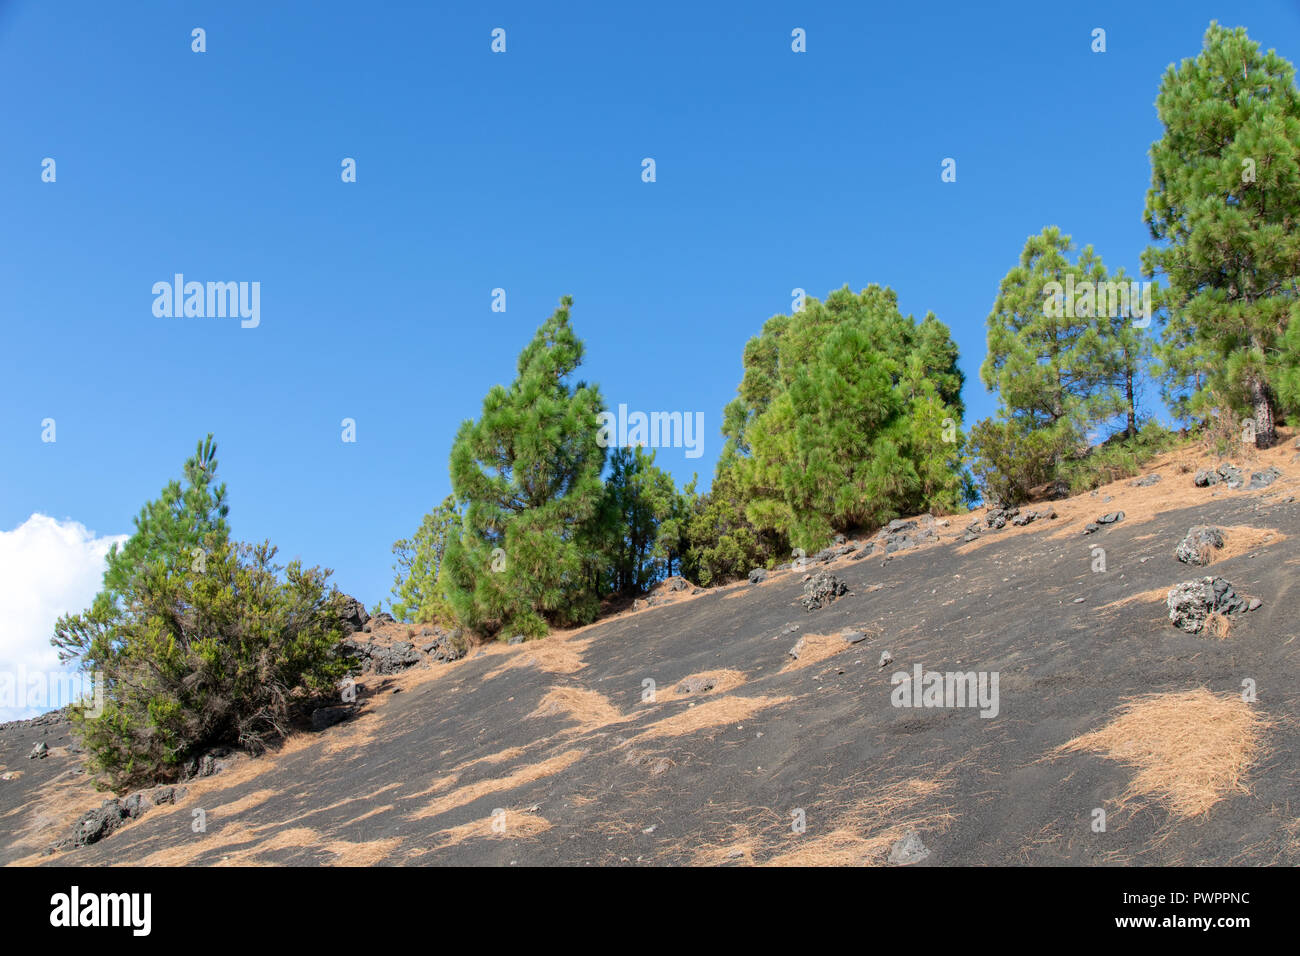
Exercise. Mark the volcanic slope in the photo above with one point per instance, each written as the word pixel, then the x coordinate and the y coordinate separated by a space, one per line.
pixel 592 747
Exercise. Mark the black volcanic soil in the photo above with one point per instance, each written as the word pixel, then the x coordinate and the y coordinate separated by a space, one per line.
pixel 546 753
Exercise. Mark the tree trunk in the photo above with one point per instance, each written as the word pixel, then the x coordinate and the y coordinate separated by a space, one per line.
pixel 1131 401
pixel 1265 432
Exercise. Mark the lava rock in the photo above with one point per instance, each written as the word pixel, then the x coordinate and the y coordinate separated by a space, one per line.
pixel 352 615
pixel 908 850
pixel 822 589
pixel 1192 602
pixel 697 685
pixel 757 576
pixel 1262 479
pixel 1146 481
pixel 1230 474
pixel 1199 544
pixel 323 717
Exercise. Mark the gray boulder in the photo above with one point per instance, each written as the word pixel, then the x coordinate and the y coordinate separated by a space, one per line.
pixel 1199 544
pixel 353 615
pixel 908 850
pixel 1230 474
pixel 1192 602
pixel 1262 479
pixel 697 685
pixel 822 589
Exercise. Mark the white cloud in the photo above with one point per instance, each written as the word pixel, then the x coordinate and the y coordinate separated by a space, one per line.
pixel 47 568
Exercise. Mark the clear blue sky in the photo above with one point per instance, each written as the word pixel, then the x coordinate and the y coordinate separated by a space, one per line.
pixel 521 171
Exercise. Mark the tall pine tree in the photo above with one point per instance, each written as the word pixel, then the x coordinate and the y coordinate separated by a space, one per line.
pixel 528 476
pixel 1065 359
pixel 1225 203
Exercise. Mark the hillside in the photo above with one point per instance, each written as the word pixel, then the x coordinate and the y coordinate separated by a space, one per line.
pixel 743 741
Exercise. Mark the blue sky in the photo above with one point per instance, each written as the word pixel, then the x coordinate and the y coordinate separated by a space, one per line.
pixel 520 170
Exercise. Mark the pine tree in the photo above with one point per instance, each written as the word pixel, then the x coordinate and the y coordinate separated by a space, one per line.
pixel 196 640
pixel 418 594
pixel 720 542
pixel 640 499
pixel 528 476
pixel 174 531
pixel 1046 359
pixel 1225 201
pixel 825 430
pixel 1065 359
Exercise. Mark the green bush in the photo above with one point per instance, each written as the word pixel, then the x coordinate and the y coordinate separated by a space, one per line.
pixel 720 542
pixel 847 416
pixel 1008 459
pixel 1117 458
pixel 217 656
pixel 196 641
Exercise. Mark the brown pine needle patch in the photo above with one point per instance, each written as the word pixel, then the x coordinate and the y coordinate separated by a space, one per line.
pixel 436 785
pixel 558 653
pixel 1217 625
pixel 1154 596
pixel 521 777
pixel 291 839
pixel 723 681
pixel 233 834
pixel 713 713
pixel 516 825
pixel 587 708
pixel 347 853
pixel 353 734
pixel 256 798
pixel 501 756
pixel 869 827
pixel 815 649
pixel 1242 539
pixel 1190 749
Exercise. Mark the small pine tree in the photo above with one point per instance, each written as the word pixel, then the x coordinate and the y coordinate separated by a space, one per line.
pixel 528 475
pixel 418 596
pixel 639 499
pixel 173 531
pixel 1064 358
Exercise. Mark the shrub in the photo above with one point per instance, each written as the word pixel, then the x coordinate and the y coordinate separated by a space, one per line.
pixel 1009 460
pixel 218 656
